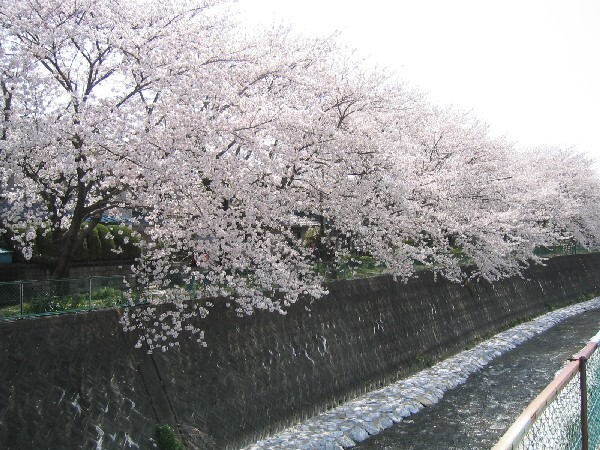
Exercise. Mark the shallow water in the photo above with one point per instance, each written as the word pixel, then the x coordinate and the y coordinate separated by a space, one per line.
pixel 476 414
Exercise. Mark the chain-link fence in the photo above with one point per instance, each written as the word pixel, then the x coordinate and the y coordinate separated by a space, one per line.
pixel 554 419
pixel 358 267
pixel 26 298
pixel 593 398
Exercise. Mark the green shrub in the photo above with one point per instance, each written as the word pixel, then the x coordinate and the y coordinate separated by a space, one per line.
pixel 94 246
pixel 107 297
pixel 52 303
pixel 99 244
pixel 106 242
pixel 44 303
pixel 166 439
pixel 81 252
pixel 130 248
pixel 311 237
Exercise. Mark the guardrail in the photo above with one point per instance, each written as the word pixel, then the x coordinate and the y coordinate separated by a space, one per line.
pixel 43 297
pixel 566 414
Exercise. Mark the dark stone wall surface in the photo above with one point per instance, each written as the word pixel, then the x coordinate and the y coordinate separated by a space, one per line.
pixel 76 381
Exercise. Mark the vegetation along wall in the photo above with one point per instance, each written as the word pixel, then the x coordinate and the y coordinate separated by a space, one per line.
pixel 76 381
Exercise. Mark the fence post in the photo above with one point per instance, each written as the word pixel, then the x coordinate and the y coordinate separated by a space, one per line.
pixel 584 413
pixel 90 293
pixel 21 296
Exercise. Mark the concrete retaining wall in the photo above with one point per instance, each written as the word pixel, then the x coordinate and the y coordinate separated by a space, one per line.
pixel 75 381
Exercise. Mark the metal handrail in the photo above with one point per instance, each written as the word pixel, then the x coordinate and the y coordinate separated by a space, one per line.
pixel 515 434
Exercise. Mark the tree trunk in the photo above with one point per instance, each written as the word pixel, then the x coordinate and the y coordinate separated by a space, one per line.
pixel 61 270
pixel 70 241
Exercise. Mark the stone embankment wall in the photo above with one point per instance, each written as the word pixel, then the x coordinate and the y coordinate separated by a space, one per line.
pixel 75 381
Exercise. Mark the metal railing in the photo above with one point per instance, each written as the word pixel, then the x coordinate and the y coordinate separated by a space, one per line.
pixel 30 298
pixel 42 297
pixel 566 415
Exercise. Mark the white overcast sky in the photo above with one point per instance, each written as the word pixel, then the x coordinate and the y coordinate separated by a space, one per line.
pixel 529 68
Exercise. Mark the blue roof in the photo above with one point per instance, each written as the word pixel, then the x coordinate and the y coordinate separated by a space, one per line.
pixel 109 220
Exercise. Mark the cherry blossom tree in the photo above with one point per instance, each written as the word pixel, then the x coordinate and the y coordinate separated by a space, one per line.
pixel 559 195
pixel 217 139
pixel 82 85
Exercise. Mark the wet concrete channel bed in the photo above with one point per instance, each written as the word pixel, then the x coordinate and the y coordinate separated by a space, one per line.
pixel 438 408
pixel 477 413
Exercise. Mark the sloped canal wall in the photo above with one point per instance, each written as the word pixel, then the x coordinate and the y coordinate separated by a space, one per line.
pixel 76 381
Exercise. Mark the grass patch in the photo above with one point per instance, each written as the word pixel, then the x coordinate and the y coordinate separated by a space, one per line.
pixel 350 268
pixel 10 311
pixel 166 438
pixel 49 303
